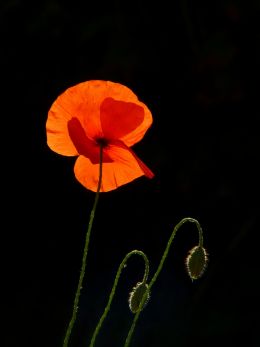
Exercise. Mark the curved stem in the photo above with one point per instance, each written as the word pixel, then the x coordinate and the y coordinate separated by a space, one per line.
pixel 112 293
pixel 176 228
pixel 84 257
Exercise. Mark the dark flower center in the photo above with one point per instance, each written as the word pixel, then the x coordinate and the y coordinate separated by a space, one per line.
pixel 101 141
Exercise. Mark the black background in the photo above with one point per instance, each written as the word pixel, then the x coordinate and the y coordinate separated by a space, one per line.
pixel 196 66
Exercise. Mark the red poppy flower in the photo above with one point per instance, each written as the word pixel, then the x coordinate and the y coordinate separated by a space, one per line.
pixel 94 113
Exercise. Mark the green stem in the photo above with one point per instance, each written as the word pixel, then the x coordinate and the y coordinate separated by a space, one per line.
pixel 84 257
pixel 112 293
pixel 184 220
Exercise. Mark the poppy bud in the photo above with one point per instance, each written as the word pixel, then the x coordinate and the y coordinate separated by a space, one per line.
pixel 196 262
pixel 136 296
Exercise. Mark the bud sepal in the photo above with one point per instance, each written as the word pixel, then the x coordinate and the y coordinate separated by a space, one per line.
pixel 136 296
pixel 196 262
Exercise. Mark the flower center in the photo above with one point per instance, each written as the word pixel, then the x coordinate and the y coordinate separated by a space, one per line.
pixel 101 141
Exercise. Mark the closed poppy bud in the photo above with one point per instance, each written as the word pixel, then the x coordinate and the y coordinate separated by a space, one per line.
pixel 136 296
pixel 196 262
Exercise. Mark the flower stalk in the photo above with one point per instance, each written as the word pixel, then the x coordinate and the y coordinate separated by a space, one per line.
pixel 84 257
pixel 112 293
pixel 159 269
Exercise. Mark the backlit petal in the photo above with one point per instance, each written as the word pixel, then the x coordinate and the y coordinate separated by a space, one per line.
pixel 119 118
pixel 118 143
pixel 95 111
pixel 58 138
pixel 83 144
pixel 137 134
pixel 124 169
pixel 83 101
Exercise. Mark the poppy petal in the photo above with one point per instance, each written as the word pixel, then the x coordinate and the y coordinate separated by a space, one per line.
pixel 147 172
pixel 83 101
pixel 83 144
pixel 58 138
pixel 124 169
pixel 119 118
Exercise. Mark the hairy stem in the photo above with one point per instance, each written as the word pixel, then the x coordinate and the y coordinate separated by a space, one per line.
pixel 176 228
pixel 112 293
pixel 84 257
